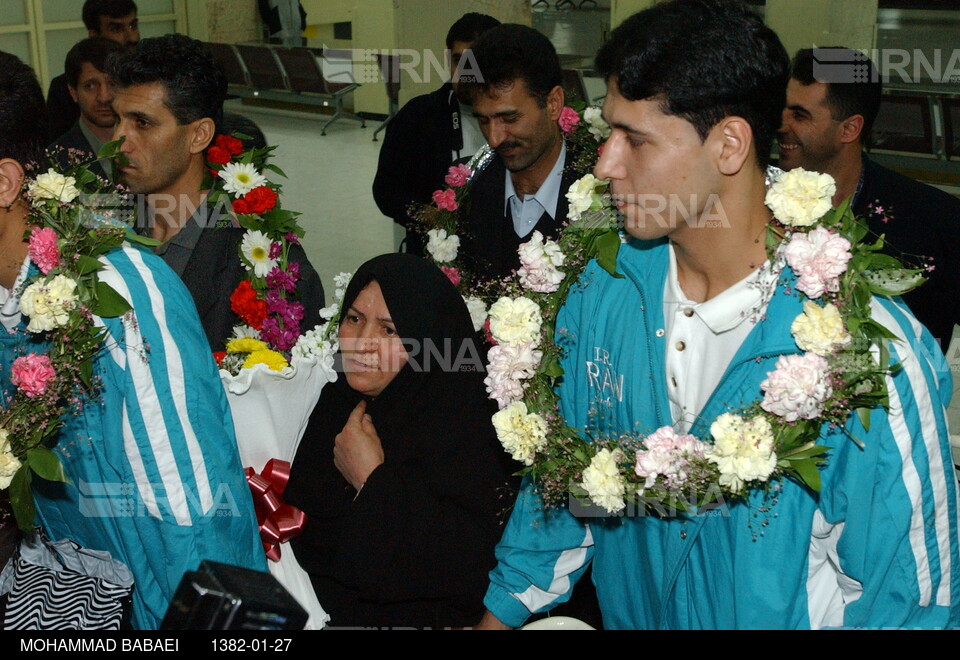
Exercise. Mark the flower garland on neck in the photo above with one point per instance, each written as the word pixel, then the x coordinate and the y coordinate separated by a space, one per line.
pixel 265 300
pixel 834 375
pixel 54 376
pixel 583 132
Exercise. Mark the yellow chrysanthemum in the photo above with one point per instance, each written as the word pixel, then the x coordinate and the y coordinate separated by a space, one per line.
pixel 272 359
pixel 245 345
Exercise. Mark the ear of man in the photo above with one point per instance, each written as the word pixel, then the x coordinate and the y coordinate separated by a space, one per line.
pixel 11 181
pixel 555 101
pixel 202 132
pixel 851 129
pixel 733 144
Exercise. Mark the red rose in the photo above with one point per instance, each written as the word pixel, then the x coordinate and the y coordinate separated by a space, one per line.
pixel 218 357
pixel 231 145
pixel 218 155
pixel 247 305
pixel 261 199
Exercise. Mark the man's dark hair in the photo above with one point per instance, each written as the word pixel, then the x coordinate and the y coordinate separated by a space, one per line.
pixel 844 99
pixel 514 52
pixel 94 9
pixel 23 112
pixel 703 60
pixel 469 27
pixel 196 84
pixel 93 50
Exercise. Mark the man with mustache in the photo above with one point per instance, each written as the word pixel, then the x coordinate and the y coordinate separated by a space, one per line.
pixel 169 104
pixel 517 99
pixel 826 126
pixel 92 89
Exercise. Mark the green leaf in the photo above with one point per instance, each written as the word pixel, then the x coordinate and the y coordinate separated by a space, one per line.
pixel 804 454
pixel 274 168
pixel 551 368
pixel 608 245
pixel 864 415
pixel 111 149
pixel 21 499
pixel 87 264
pixel 46 464
pixel 109 303
pixel 134 237
pixel 808 473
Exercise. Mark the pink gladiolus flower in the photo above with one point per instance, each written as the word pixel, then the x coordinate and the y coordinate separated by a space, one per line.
pixel 43 249
pixel 568 119
pixel 452 274
pixel 457 175
pixel 32 373
pixel 446 200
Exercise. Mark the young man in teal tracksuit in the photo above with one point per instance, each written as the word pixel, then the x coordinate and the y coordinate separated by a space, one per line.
pixel 688 333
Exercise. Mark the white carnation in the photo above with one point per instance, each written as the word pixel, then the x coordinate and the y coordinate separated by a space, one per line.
pixel 598 127
pixel 580 196
pixel 603 482
pixel 442 248
pixel 9 464
pixel 742 450
pixel 515 321
pixel 800 198
pixel 52 185
pixel 478 312
pixel 819 329
pixel 48 304
pixel 522 434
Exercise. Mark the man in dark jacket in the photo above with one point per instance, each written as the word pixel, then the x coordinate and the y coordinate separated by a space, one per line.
pixel 428 134
pixel 826 125
pixel 92 89
pixel 170 103
pixel 111 19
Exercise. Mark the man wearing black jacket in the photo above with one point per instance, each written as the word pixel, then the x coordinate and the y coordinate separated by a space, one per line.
pixel 428 134
pixel 111 19
pixel 826 124
pixel 517 99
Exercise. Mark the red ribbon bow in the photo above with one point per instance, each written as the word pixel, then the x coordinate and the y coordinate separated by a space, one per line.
pixel 279 522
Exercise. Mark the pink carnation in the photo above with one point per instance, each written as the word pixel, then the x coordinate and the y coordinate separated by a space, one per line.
pixel 446 200
pixel 507 366
pixel 568 119
pixel 32 373
pixel 798 387
pixel 452 274
pixel 457 175
pixel 668 455
pixel 43 249
pixel 819 258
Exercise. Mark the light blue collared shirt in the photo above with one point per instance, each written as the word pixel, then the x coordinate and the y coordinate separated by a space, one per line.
pixel 526 213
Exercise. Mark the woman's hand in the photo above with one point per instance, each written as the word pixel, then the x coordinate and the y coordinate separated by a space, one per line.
pixel 357 450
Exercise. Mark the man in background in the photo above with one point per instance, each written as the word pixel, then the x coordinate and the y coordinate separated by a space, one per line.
pixel 169 104
pixel 517 98
pixel 826 126
pixel 111 19
pixel 92 90
pixel 428 134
